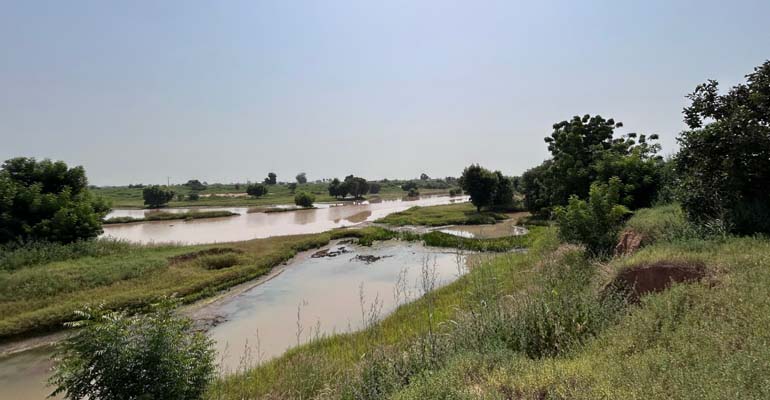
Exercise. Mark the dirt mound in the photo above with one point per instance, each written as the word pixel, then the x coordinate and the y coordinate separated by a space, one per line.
pixel 191 256
pixel 651 278
pixel 629 242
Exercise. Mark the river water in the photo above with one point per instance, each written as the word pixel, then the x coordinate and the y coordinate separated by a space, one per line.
pixel 260 224
pixel 310 297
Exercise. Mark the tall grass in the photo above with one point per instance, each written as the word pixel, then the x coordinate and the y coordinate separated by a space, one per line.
pixel 16 256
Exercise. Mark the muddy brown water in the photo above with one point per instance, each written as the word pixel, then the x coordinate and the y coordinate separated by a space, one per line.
pixel 309 298
pixel 247 225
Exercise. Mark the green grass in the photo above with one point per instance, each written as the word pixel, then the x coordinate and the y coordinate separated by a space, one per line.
pixel 125 197
pixel 451 214
pixel 167 216
pixel 540 325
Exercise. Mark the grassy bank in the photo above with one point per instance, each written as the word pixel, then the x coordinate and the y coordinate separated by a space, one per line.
pixel 547 325
pixel 168 216
pixel 451 214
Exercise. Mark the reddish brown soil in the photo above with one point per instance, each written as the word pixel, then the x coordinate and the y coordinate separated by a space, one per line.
pixel 651 278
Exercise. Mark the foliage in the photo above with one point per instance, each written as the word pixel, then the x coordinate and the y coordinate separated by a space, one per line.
pixel 193 197
pixel 156 196
pixel 355 186
pixel 337 189
pixel 256 189
pixel 195 184
pixel 410 185
pixel 480 184
pixel 271 179
pixel 292 187
pixel 413 193
pixel 503 191
pixel 595 223
pixel 449 214
pixel 47 201
pixel 374 187
pixel 724 165
pixel 301 178
pixel 455 192
pixel 424 177
pixel 304 199
pixel 114 356
pixel 15 256
pixel 168 216
pixel 584 151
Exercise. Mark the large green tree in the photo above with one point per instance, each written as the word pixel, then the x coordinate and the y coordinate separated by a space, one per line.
pixel 481 184
pixel 723 163
pixel 157 196
pixel 47 201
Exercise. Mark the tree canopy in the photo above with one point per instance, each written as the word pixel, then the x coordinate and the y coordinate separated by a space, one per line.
pixel 157 196
pixel 301 178
pixel 480 184
pixel 271 179
pixel 47 201
pixel 256 189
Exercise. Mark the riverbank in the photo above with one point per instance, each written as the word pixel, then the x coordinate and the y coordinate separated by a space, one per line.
pixel 169 216
pixel 548 323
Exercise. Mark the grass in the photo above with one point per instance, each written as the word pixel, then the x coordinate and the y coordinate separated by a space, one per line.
pixel 125 197
pixel 540 325
pixel 167 216
pixel 451 214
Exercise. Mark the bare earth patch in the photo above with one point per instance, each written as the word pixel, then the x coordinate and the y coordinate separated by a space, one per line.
pixel 656 277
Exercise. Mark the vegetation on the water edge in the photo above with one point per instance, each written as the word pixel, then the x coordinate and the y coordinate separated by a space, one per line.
pixel 451 214
pixel 166 216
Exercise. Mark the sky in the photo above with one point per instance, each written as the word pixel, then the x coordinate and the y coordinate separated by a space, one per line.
pixel 225 91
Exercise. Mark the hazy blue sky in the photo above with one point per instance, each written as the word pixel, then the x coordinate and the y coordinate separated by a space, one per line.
pixel 228 90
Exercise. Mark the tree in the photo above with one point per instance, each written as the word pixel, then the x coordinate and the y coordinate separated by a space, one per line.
pixel 47 201
pixel 337 189
pixel 503 192
pixel 424 177
pixel 534 183
pixel 193 197
pixel 304 199
pixel 374 187
pixel 411 185
pixel 723 165
pixel 195 184
pixel 256 189
pixel 356 186
pixel 151 356
pixel 595 223
pixel 156 196
pixel 480 184
pixel 271 179
pixel 301 178
pixel 292 187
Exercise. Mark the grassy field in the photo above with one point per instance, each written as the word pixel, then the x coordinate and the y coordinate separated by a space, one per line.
pixel 167 216
pixel 451 214
pixel 547 325
pixel 125 197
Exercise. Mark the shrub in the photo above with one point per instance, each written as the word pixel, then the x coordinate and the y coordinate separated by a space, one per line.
pixel 193 197
pixel 156 196
pixel 152 356
pixel 218 261
pixel 455 192
pixel 47 201
pixel 413 193
pixel 304 199
pixel 256 189
pixel 595 223
pixel 374 187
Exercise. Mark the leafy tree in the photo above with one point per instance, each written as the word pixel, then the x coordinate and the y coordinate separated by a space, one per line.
pixel 153 356
pixel 156 196
pixel 480 184
pixel 271 179
pixel 374 187
pixel 356 186
pixel 47 201
pixel 304 199
pixel 301 178
pixel 410 185
pixel 595 223
pixel 535 186
pixel 724 159
pixel 503 192
pixel 424 177
pixel 195 184
pixel 455 192
pixel 256 189
pixel 337 189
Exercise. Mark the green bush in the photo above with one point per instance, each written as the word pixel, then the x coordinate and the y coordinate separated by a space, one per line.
pixel 156 196
pixel 304 199
pixel 218 261
pixel 256 189
pixel 595 223
pixel 47 201
pixel 152 356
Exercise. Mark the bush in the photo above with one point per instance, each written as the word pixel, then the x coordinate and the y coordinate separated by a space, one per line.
pixel 155 196
pixel 455 192
pixel 595 223
pixel 218 261
pixel 256 189
pixel 304 199
pixel 193 197
pixel 374 187
pixel 152 356
pixel 47 201
pixel 413 193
